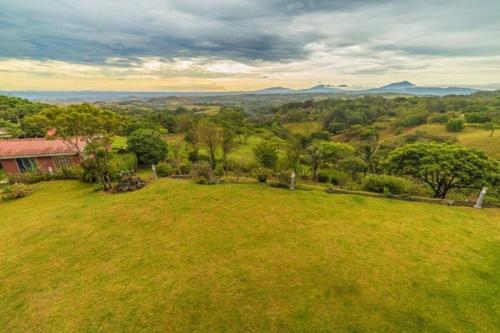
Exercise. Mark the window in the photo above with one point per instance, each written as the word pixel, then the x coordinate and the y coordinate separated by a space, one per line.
pixel 62 162
pixel 27 164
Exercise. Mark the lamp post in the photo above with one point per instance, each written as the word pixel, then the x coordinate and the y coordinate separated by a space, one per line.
pixel 480 199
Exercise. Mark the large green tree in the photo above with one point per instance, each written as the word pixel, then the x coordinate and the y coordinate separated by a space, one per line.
pixel 149 146
pixel 327 152
pixel 266 154
pixel 444 166
pixel 88 129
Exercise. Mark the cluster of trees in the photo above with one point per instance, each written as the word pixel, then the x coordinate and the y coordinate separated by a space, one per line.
pixel 211 138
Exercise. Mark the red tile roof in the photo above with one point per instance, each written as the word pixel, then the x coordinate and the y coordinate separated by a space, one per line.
pixel 12 148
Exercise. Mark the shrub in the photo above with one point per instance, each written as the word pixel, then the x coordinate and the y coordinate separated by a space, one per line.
pixel 387 184
pixel 27 178
pixel 339 178
pixel 74 172
pixel 16 191
pixel 149 145
pixel 203 171
pixel 324 176
pixel 439 118
pixel 283 178
pixel 455 125
pixel 262 174
pixel 120 164
pixel 164 169
pixel 219 170
pixel 352 165
pixel 183 169
pixel 266 154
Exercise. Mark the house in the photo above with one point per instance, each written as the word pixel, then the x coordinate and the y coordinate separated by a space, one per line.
pixel 44 155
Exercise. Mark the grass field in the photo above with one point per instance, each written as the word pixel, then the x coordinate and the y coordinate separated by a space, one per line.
pixel 471 137
pixel 304 127
pixel 177 256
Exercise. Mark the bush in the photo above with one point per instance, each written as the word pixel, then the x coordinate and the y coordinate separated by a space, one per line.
pixel 455 125
pixel 387 184
pixel 16 191
pixel 439 118
pixel 27 178
pixel 266 154
pixel 149 145
pixel 219 170
pixel 121 164
pixel 283 178
pixel 324 176
pixel 164 169
pixel 336 177
pixel 352 165
pixel 74 172
pixel 183 169
pixel 203 171
pixel 339 178
pixel 262 174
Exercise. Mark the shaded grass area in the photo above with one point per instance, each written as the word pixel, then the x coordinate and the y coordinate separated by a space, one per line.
pixel 176 256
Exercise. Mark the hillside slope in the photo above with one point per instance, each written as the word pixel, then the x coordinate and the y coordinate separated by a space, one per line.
pixel 177 256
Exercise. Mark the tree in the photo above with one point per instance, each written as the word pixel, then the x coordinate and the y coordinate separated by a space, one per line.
pixel 367 150
pixel 85 125
pixel 327 152
pixel 35 126
pixel 266 154
pixel 12 130
pixel 493 124
pixel 455 125
pixel 443 166
pixel 353 165
pixel 149 146
pixel 209 136
pixel 83 121
pixel 227 142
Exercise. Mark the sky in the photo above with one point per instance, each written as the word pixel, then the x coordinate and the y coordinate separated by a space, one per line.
pixel 232 45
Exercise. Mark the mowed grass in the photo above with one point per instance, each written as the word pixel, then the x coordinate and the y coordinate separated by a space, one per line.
pixel 177 256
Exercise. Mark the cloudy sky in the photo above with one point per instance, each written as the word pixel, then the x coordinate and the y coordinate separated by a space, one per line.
pixel 241 45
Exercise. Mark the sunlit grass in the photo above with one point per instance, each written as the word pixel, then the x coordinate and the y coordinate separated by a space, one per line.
pixel 304 127
pixel 176 256
pixel 472 137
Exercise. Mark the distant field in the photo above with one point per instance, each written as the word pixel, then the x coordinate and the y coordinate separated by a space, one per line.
pixel 177 256
pixel 471 136
pixel 304 127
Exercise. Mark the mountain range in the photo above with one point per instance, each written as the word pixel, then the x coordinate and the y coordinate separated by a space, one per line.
pixel 403 87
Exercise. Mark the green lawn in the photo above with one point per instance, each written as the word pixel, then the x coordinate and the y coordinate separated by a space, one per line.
pixel 176 256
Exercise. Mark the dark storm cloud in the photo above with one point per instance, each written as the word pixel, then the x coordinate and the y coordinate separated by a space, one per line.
pixel 277 31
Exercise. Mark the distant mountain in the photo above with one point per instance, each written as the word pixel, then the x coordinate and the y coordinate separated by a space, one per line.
pixel 273 90
pixel 405 87
pixel 398 86
pixel 320 89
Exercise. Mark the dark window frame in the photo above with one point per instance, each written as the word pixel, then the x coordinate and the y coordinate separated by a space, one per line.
pixel 27 164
